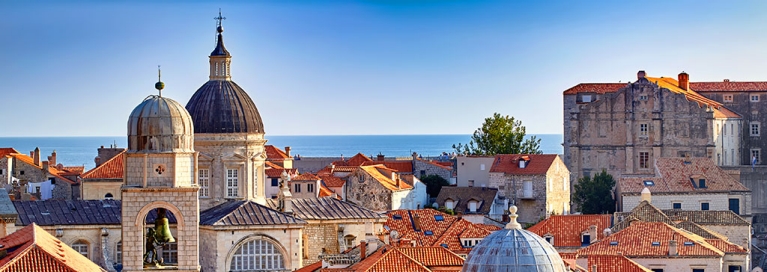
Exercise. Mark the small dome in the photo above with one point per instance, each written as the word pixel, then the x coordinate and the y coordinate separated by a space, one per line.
pixel 513 249
pixel 221 106
pixel 160 124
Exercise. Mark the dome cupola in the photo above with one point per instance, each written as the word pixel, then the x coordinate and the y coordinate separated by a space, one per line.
pixel 160 124
pixel 220 105
pixel 514 249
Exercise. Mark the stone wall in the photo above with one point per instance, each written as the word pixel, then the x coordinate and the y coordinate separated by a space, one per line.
pixel 689 201
pixel 321 238
pixel 551 192
pixel 755 178
pixel 365 191
pixel 99 188
pixel 101 249
pixel 219 244
pixel 422 168
pixel 752 112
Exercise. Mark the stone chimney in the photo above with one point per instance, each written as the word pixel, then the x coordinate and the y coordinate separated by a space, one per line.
pixel 415 155
pixel 641 74
pixel 593 234
pixel 45 166
pixel 36 156
pixel 417 222
pixel 287 151
pixel 363 250
pixel 684 81
pixel 380 157
pixel 672 251
pixel 52 158
pixel 646 196
pixel 104 154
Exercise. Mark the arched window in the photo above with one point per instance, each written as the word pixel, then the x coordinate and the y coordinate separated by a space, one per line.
pixel 108 196
pixel 349 240
pixel 81 247
pixel 119 253
pixel 257 255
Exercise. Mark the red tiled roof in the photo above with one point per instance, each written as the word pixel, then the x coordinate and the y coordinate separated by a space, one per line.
pixel 615 263
pixel 636 241
pixel 726 246
pixel 599 88
pixel 74 169
pixel 310 268
pixel 111 169
pixel 674 177
pixel 384 177
pixel 538 164
pixel 324 191
pixel 358 160
pixel 567 229
pixel 391 259
pixel 277 172
pixel 7 151
pixel 273 165
pixel 400 166
pixel 52 170
pixel 306 177
pixel 34 249
pixel 729 86
pixel 275 154
pixel 333 181
pixel 447 231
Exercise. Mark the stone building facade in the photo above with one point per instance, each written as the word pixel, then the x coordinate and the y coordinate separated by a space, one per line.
pixel 379 188
pixel 105 180
pixel 19 172
pixel 422 168
pixel 539 185
pixel 473 171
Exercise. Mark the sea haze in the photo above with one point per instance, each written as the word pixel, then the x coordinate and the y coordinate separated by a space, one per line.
pixel 82 150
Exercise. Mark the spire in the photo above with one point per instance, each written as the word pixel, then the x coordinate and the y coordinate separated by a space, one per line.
pixel 220 49
pixel 159 85
pixel 220 58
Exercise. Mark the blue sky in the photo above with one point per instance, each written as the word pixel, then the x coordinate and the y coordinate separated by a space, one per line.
pixel 359 67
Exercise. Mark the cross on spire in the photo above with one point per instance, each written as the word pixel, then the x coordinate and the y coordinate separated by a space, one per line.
pixel 219 18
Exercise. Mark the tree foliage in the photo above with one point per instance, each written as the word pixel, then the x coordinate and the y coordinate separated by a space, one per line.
pixel 594 195
pixel 500 135
pixel 434 184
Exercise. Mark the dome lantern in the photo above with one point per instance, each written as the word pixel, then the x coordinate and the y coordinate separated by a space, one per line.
pixel 160 125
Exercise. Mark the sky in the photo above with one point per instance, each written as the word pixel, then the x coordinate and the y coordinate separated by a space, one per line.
pixel 359 67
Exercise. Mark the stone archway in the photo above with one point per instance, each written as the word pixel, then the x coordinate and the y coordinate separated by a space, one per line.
pixel 141 216
pixel 278 248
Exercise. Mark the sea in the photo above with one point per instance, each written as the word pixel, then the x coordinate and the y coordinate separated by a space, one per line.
pixel 76 151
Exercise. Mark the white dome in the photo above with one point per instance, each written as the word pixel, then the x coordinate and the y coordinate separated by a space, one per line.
pixel 158 125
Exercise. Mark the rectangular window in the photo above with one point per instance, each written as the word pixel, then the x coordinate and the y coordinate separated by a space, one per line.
pixel 586 98
pixel 232 183
pixel 727 98
pixel 755 158
pixel 528 189
pixel 1 171
pixel 275 182
pixel 643 129
pixel 732 158
pixel 677 205
pixel 754 128
pixel 482 167
pixel 471 183
pixel 203 180
pixel 704 206
pixel 170 253
pixel 297 188
pixel 119 253
pixel 734 205
pixel 643 97
pixel 733 268
pixel 754 98
pixel 657 270
pixel 698 270
pixel 644 160
pixel 310 188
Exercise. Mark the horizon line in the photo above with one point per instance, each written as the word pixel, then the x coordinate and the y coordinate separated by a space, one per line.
pixel 285 135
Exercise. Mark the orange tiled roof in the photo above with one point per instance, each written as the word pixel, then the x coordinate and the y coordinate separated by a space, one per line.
pixel 615 263
pixel 34 249
pixel 599 88
pixel 399 166
pixel 539 164
pixel 729 86
pixel 324 191
pixel 306 177
pixel 637 239
pixel 567 229
pixel 275 154
pixel 74 169
pixel 726 246
pixel 7 151
pixel 311 268
pixel 384 177
pixel 277 172
pixel 111 169
pixel 358 160
pixel 52 170
pixel 390 259
pixel 333 181
pixel 673 176
pixel 446 232
pixel 273 165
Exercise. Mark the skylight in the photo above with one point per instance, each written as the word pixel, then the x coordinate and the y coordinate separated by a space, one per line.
pixel 688 243
pixel 649 183
pixel 613 243
pixel 439 217
pixel 397 217
pixel 428 232
pixel 655 243
pixel 443 245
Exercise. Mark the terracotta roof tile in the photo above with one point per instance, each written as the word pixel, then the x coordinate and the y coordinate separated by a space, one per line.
pixel 637 241
pixel 615 263
pixel 277 172
pixel 4 151
pixel 414 224
pixel 462 195
pixel 727 247
pixel 34 249
pixel 311 268
pixel 399 166
pixel 358 160
pixel 729 86
pixel 375 171
pixel 538 164
pixel 275 154
pixel 567 229
pixel 394 259
pixel 674 174
pixel 599 88
pixel 332 181
pixel 111 169
pixel 306 177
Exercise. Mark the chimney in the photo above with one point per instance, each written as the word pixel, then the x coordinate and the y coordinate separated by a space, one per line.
pixel 416 223
pixel 672 248
pixel 380 157
pixel 287 151
pixel 36 156
pixel 363 250
pixel 607 232
pixel 415 155
pixel 52 158
pixel 45 166
pixel 684 81
pixel 646 196
pixel 641 74
pixel 593 234
pixel 594 268
pixel 97 160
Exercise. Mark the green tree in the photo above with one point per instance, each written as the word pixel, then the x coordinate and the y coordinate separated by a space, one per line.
pixel 594 195
pixel 500 135
pixel 434 184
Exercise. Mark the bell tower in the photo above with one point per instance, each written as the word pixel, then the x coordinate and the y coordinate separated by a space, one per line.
pixel 159 192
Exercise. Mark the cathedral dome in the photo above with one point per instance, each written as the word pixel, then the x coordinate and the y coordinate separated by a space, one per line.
pixel 514 249
pixel 220 105
pixel 160 124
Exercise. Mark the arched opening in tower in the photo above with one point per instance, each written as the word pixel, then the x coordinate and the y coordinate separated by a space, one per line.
pixel 160 239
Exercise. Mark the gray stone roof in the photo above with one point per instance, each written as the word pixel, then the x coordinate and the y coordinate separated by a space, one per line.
pixel 245 213
pixel 462 195
pixel 221 106
pixel 328 207
pixel 75 212
pixel 7 210
pixel 707 217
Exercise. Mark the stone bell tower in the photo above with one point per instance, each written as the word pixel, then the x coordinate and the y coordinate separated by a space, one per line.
pixel 160 177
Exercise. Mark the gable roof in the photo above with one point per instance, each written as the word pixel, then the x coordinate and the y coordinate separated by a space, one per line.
pixel 608 263
pixel 729 86
pixel 332 181
pixel 377 172
pixel 399 166
pixel 306 177
pixel 327 208
pixel 4 151
pixel 710 217
pixel 426 259
pixel 637 241
pixel 275 154
pixel 245 213
pixel 673 175
pixel 599 88
pixel 413 224
pixel 34 249
pixel 538 164
pixel 567 229
pixel 462 195
pixel 111 169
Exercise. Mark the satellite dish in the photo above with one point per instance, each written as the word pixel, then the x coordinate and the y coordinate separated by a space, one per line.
pixel 394 235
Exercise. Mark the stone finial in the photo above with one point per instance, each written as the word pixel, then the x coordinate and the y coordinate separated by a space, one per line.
pixel 513 224
pixel 646 196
